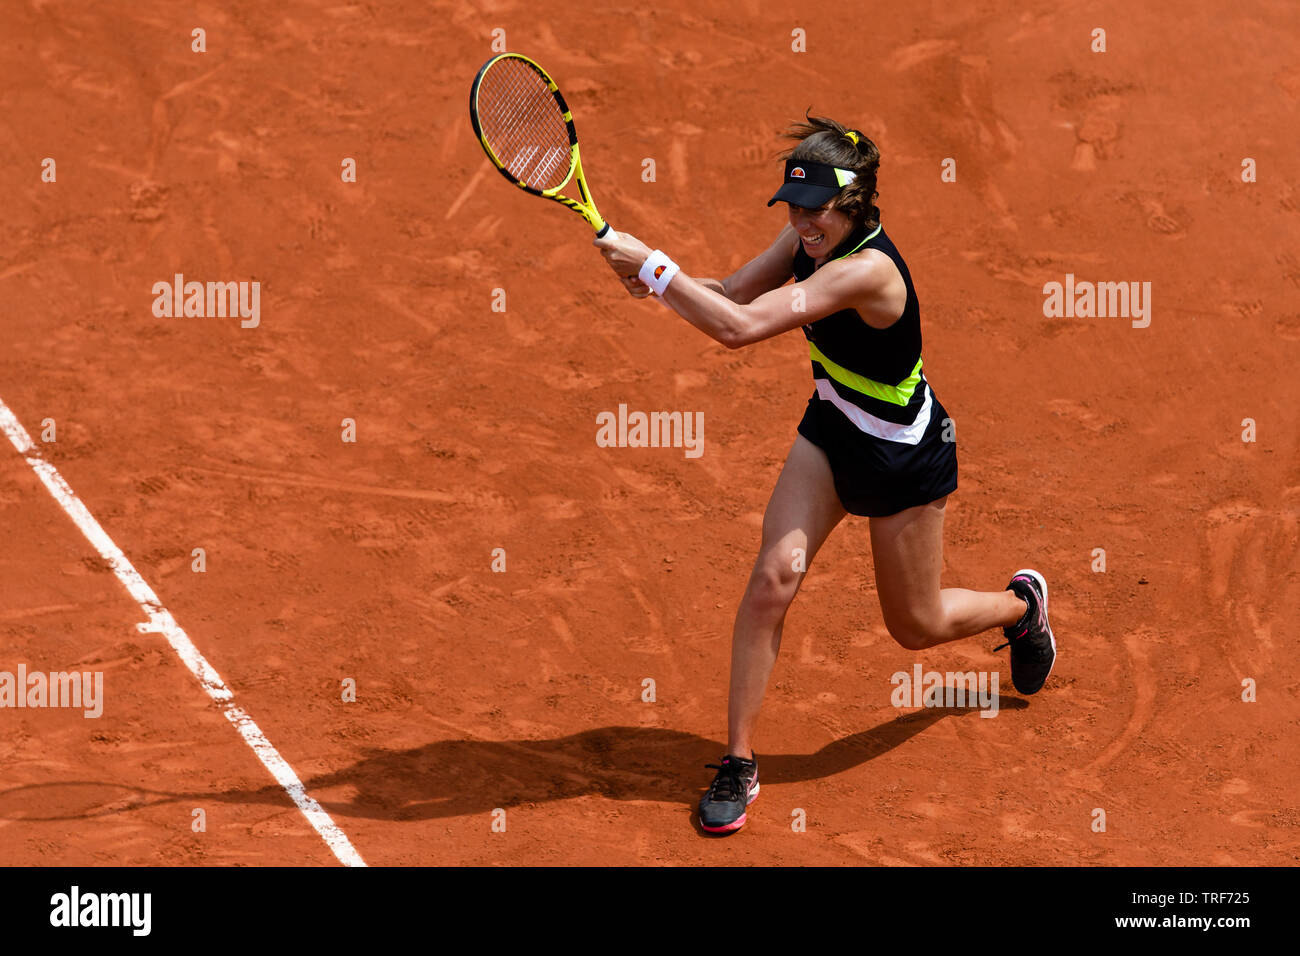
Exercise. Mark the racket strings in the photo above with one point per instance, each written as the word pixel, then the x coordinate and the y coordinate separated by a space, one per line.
pixel 522 122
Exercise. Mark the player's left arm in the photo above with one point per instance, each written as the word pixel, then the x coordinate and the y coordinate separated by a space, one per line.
pixel 862 282
pixel 854 283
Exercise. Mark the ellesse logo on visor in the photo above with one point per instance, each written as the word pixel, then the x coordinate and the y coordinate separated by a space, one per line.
pixel 660 271
pixel 797 173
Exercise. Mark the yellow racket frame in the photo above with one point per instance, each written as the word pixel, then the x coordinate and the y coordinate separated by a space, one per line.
pixel 585 206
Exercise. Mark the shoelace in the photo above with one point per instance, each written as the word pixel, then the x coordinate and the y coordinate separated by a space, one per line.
pixel 726 785
pixel 1043 652
pixel 1008 643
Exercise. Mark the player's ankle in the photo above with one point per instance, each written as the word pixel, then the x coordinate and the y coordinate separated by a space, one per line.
pixel 1019 607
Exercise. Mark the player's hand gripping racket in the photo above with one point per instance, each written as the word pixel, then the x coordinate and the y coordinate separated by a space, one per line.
pixel 526 129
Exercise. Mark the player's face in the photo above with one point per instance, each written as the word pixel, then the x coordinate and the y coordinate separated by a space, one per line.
pixel 821 230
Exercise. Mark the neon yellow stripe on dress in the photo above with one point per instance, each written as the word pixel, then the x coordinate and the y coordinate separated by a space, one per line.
pixel 899 394
pixel 874 232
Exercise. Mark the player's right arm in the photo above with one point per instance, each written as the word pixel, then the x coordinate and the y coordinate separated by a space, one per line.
pixel 769 270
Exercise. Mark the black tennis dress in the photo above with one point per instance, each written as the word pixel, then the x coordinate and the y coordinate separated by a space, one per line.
pixel 890 443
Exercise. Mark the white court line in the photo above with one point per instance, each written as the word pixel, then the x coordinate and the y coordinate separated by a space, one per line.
pixel 161 622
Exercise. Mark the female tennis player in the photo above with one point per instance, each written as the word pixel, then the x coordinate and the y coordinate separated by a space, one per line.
pixel 873 440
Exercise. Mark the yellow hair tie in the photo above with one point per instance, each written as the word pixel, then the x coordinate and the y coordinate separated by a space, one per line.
pixel 851 136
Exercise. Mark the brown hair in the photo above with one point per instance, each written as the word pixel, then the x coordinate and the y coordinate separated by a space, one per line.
pixel 822 140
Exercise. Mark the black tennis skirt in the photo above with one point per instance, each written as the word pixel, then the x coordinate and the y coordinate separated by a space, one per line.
pixel 875 477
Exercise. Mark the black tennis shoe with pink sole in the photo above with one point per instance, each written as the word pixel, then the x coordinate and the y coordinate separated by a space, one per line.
pixel 1033 646
pixel 722 808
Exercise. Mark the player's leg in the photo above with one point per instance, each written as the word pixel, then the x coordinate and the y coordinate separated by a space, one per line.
pixel 801 513
pixel 908 552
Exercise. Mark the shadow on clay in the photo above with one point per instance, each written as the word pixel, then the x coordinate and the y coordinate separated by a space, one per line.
pixel 452 778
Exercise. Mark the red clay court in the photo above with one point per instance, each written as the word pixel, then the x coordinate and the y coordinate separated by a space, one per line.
pixel 371 560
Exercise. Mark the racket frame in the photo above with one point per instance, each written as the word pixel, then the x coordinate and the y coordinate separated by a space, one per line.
pixel 585 206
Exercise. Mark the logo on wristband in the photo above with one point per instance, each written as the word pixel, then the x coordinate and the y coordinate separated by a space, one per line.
pixel 660 271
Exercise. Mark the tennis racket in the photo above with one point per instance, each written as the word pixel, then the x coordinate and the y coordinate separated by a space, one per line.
pixel 526 129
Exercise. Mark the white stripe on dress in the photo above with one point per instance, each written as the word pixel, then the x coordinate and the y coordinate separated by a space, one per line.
pixel 878 427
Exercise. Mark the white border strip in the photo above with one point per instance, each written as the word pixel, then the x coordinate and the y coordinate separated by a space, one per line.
pixel 161 622
pixel 878 427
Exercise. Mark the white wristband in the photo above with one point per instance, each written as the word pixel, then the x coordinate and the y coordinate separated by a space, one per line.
pixel 657 271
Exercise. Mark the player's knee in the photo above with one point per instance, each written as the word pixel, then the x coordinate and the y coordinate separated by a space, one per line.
pixel 772 586
pixel 912 631
pixel 913 639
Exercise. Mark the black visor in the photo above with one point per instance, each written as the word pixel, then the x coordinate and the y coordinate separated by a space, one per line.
pixel 810 185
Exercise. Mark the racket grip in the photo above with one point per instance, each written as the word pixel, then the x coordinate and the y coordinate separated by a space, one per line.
pixel 606 233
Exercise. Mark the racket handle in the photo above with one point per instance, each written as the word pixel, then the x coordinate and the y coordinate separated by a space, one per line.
pixel 606 233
